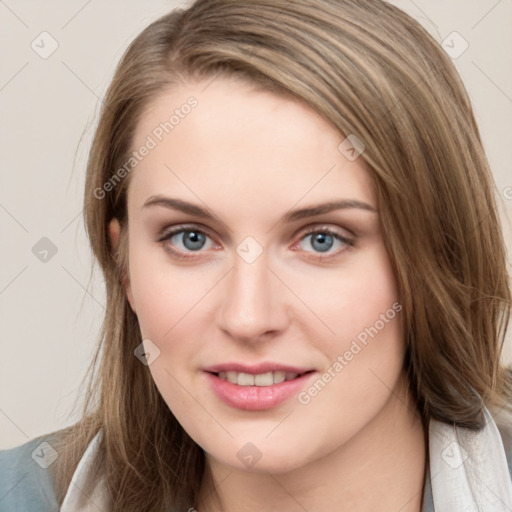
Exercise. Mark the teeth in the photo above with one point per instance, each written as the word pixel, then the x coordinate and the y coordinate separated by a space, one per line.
pixel 262 379
pixel 279 377
pixel 245 379
pixel 231 377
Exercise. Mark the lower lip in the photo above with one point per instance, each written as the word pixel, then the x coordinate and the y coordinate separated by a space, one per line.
pixel 256 398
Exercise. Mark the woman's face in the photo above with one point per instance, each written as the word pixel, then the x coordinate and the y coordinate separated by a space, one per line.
pixel 236 263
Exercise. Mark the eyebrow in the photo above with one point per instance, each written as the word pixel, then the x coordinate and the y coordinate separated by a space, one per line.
pixel 294 215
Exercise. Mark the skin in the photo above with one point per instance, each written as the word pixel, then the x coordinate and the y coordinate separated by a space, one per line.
pixel 250 156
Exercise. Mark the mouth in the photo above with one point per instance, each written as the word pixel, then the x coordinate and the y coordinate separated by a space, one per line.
pixel 260 379
pixel 257 391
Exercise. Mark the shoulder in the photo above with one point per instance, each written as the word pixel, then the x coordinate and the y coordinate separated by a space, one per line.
pixel 506 438
pixel 503 422
pixel 25 480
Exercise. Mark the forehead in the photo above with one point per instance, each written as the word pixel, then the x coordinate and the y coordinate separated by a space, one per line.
pixel 229 134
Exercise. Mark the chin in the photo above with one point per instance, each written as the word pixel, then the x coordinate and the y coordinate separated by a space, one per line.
pixel 261 457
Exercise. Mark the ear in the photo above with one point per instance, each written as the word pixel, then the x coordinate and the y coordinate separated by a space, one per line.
pixel 113 231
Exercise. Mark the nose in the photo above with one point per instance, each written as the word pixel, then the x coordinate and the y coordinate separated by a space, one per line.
pixel 253 302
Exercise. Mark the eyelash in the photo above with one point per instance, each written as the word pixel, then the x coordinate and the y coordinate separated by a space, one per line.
pixel 189 256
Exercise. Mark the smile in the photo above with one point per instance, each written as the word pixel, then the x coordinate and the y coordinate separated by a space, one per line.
pixel 261 379
pixel 256 392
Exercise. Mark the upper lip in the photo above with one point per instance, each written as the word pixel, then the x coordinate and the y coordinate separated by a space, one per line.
pixel 256 369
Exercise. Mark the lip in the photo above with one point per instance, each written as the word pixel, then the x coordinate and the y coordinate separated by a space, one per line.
pixel 256 398
pixel 255 369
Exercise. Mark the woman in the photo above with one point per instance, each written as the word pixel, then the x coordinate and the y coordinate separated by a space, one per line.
pixel 307 292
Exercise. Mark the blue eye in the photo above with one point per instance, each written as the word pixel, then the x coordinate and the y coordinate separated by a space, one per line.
pixel 191 239
pixel 322 240
pixel 182 242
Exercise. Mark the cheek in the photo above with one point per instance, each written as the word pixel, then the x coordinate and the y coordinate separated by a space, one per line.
pixel 164 295
pixel 362 349
pixel 357 303
pixel 365 347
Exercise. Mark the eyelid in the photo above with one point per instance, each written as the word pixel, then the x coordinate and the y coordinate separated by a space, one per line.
pixel 348 241
pixel 168 232
pixel 204 229
pixel 172 230
pixel 319 226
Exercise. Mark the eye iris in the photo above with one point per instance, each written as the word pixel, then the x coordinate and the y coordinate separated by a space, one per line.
pixel 193 240
pixel 325 241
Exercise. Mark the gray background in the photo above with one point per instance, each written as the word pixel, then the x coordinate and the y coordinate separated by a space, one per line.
pixel 51 307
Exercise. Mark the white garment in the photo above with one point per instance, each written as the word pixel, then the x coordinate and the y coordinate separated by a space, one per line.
pixel 79 497
pixel 468 472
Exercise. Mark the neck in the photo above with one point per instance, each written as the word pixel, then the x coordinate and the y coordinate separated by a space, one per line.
pixel 381 468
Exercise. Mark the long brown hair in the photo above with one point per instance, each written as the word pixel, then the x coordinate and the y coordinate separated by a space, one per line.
pixel 371 71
